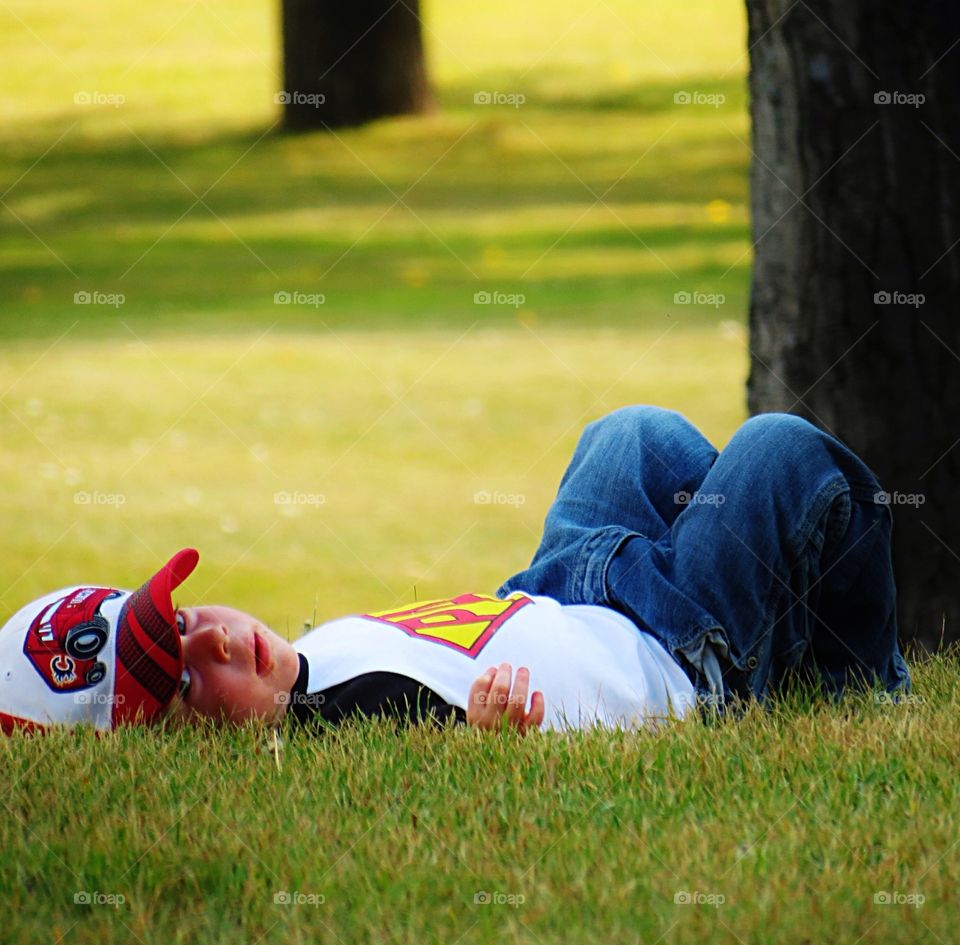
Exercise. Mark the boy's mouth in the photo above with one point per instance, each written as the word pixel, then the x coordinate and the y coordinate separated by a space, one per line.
pixel 261 653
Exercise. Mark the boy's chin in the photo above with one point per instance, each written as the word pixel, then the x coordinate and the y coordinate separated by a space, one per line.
pixel 278 708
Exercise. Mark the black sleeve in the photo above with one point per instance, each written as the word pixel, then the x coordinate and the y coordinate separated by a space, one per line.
pixel 390 695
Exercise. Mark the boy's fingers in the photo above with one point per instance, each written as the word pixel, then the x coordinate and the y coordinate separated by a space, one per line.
pixel 494 698
pixel 500 690
pixel 492 704
pixel 518 699
pixel 478 702
pixel 482 683
pixel 537 711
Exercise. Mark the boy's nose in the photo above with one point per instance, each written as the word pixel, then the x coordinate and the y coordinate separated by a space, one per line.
pixel 209 642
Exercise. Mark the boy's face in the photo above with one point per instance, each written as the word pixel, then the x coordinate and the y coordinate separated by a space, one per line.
pixel 237 666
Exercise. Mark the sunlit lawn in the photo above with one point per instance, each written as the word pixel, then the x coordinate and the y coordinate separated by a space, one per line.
pixel 312 322
pixel 815 824
pixel 315 358
pixel 598 198
pixel 120 451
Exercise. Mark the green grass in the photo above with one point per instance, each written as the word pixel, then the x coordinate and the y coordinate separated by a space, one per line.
pixel 178 442
pixel 397 397
pixel 178 416
pixel 598 198
pixel 792 822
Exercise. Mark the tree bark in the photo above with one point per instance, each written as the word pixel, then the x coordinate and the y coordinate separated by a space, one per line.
pixel 856 222
pixel 346 63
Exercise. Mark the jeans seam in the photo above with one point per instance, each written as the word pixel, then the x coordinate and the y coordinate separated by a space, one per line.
pixel 825 497
pixel 594 578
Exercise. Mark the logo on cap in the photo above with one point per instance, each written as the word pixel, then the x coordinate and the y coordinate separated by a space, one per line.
pixel 66 637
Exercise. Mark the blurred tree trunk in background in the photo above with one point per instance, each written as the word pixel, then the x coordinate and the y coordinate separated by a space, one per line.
pixel 350 62
pixel 856 283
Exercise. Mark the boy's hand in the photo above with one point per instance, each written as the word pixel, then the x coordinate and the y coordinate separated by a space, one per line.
pixel 490 700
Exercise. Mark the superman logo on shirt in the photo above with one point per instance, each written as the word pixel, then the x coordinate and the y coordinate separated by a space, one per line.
pixel 465 623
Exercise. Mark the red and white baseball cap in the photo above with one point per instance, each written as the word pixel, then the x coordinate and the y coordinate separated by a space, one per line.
pixel 94 655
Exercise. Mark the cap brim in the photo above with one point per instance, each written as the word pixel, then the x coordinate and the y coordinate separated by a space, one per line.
pixel 149 652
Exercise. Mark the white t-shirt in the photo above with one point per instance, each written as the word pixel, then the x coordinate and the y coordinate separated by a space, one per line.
pixel 593 665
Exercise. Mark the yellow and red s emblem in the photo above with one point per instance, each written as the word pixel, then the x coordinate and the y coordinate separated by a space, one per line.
pixel 465 623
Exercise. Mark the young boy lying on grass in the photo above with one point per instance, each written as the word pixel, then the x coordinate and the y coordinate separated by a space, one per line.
pixel 669 576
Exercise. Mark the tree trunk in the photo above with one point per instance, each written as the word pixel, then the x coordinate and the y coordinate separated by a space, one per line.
pixel 856 222
pixel 347 63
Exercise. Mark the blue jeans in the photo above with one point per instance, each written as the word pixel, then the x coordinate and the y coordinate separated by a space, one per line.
pixel 767 560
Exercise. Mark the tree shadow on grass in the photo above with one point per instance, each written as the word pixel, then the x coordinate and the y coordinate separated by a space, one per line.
pixel 398 222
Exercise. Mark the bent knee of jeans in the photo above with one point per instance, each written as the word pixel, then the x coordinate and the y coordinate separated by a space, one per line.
pixel 787 426
pixel 634 418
